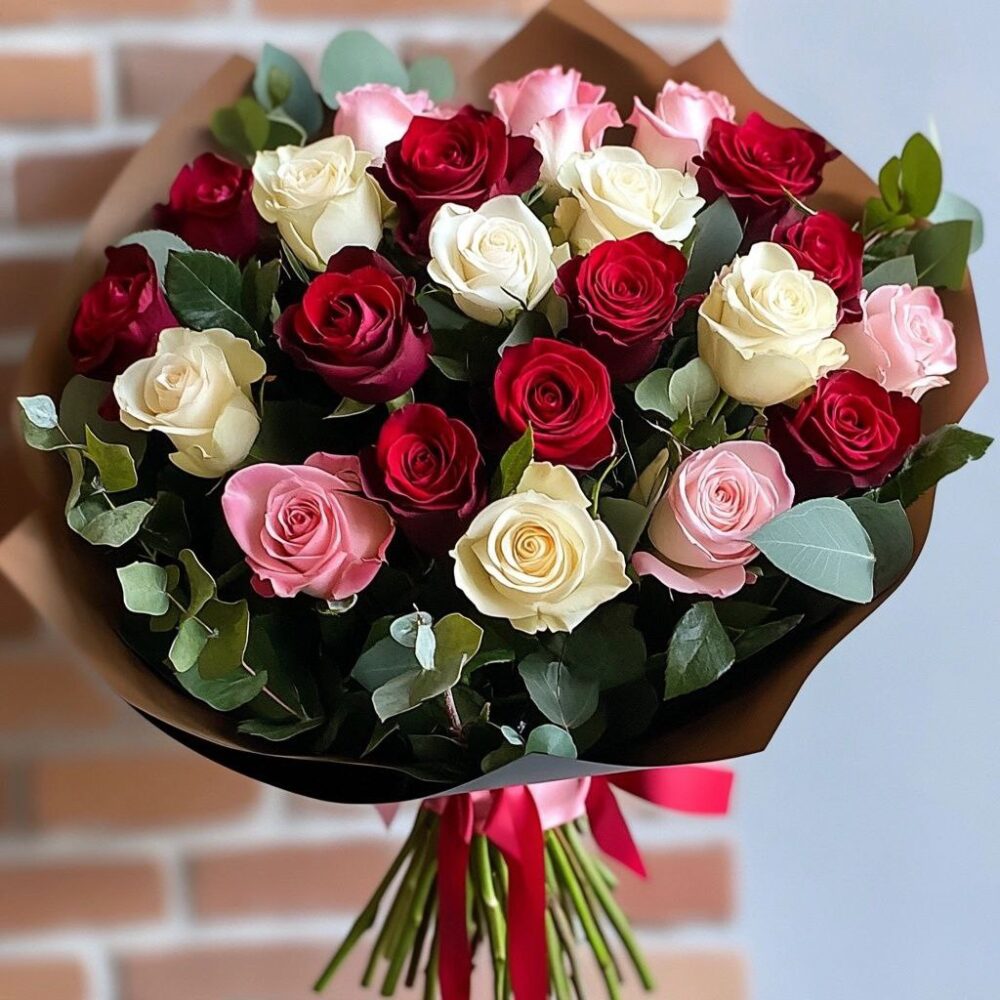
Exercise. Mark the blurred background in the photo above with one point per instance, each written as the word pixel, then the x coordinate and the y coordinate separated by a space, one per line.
pixel 862 859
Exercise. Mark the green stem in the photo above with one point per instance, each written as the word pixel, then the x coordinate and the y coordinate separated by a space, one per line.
pixel 496 924
pixel 568 942
pixel 367 916
pixel 407 935
pixel 717 407
pixel 429 918
pixel 433 964
pixel 557 970
pixel 614 913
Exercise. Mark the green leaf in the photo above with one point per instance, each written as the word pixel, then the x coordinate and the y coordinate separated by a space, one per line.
pixel 560 692
pixel 205 291
pixel 354 58
pixel 941 253
pixel 758 637
pixel 382 662
pixel 950 207
pixel 278 732
pixel 259 285
pixel 515 461
pixel 888 527
pixel 626 520
pixel 350 408
pixel 188 645
pixel 157 243
pixel 144 588
pixel 79 408
pixel 457 640
pixel 225 693
pixel 653 393
pixel 718 235
pixel 607 647
pixel 920 176
pixel 700 652
pixel 900 271
pixel 242 128
pixel 741 615
pixel 114 527
pixel 114 463
pixel 166 530
pixel 400 401
pixel 454 369
pixel 226 646
pixel 40 423
pixel 822 544
pixel 889 183
pixel 201 585
pixel 551 740
pixel 406 628
pixel 394 697
pixel 693 389
pixel 941 453
pixel 281 82
pixel 526 328
pixel 435 75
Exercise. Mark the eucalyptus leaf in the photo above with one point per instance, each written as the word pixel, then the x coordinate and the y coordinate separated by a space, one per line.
pixel 278 732
pixel 80 407
pixel 144 588
pixel 693 389
pixel 350 408
pixel 230 629
pixel 40 423
pixel 115 526
pixel 201 585
pixel 526 328
pixel 281 82
pixel 560 692
pixel 551 740
pixel 941 253
pixel 952 206
pixel 405 628
pixel 355 58
pixel 225 693
pixel 653 393
pixel 892 538
pixel 607 646
pixel 700 651
pixel 188 645
pixel 457 640
pixel 900 271
pixel 205 291
pixel 382 662
pixel 718 235
pixel 114 463
pixel 435 75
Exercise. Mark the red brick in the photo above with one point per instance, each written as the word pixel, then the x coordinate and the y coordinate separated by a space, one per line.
pixel 154 80
pixel 290 879
pixel 46 691
pixel 45 10
pixel 78 894
pixel 47 979
pixel 651 10
pixel 142 789
pixel 25 286
pixel 684 885
pixel 65 188
pixel 385 8
pixel 38 87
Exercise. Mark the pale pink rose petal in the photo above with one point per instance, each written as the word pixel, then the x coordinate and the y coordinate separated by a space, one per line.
pixel 522 103
pixel 578 129
pixel 377 114
pixel 722 582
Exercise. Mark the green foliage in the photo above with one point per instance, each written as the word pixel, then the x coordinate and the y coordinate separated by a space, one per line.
pixel 242 128
pixel 229 630
pixel 113 527
pixel 205 291
pixel 188 645
pixel 951 207
pixel 607 647
pixel 435 75
pixel 889 529
pixel 259 285
pixel 225 693
pixel 941 253
pixel 513 465
pixel 551 740
pixel 157 243
pixel 144 588
pixel 909 188
pixel 717 236
pixel 897 271
pixel 757 637
pixel 280 83
pixel 700 651
pixel 114 463
pixel 560 692
pixel 278 732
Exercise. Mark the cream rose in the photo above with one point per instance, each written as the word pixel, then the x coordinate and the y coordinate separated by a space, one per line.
pixel 321 198
pixel 615 193
pixel 496 261
pixel 765 328
pixel 537 557
pixel 196 390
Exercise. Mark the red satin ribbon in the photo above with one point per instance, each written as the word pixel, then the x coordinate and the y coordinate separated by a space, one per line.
pixel 514 826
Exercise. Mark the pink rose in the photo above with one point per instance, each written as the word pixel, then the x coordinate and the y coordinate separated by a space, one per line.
pixel 307 528
pixel 562 112
pixel 678 129
pixel 701 527
pixel 375 114
pixel 903 341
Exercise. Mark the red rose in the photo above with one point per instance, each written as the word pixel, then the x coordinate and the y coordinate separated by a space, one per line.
pixel 622 299
pixel 211 207
pixel 564 392
pixel 756 162
pixel 427 469
pixel 826 245
pixel 465 159
pixel 120 317
pixel 359 328
pixel 849 433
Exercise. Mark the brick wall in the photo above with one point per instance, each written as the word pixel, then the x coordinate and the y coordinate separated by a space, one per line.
pixel 129 868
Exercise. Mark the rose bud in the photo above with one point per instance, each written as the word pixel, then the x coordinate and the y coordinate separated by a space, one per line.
pixel 120 316
pixel 359 328
pixel 677 129
pixel 622 300
pixel 307 528
pixel 903 341
pixel 849 433
pixel 564 392
pixel 701 527
pixel 375 114
pixel 757 164
pixel 427 469
pixel 826 245
pixel 211 207
pixel 462 160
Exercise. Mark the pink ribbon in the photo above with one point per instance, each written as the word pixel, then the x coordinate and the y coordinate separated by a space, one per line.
pixel 515 819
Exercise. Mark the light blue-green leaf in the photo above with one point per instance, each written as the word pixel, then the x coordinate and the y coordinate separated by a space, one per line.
pixel 435 75
pixel 899 271
pixel 188 645
pixel 225 693
pixel 116 526
pixel 281 82
pixel 653 393
pixel 354 58
pixel 144 588
pixel 551 740
pixel 382 662
pixel 952 206
pixel 941 253
pixel 157 243
pixel 693 389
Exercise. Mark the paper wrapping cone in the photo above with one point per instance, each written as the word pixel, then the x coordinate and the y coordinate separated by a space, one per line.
pixel 74 589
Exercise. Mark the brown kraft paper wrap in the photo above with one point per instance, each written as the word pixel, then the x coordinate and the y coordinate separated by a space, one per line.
pixel 75 590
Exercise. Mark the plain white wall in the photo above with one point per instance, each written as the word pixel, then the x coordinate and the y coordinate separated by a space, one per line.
pixel 870 829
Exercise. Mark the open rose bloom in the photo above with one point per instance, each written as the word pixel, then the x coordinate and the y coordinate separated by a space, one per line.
pixel 451 442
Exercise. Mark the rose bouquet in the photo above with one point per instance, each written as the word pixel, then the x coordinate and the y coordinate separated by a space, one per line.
pixel 443 446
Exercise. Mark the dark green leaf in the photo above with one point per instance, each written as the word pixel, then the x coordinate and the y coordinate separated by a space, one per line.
pixel 515 461
pixel 700 652
pixel 950 207
pixel 166 530
pixel 920 176
pixel 527 327
pixel 759 637
pixel 941 253
pixel 259 286
pixel 280 81
pixel 278 732
pixel 607 647
pixel 718 235
pixel 225 693
pixel 79 408
pixel 382 662
pixel 205 291
pixel 201 586
pixel 888 183
pixel 892 538
pixel 560 692
pixel 626 520
pixel 226 646
pixel 551 740
pixel 242 128
pixel 901 271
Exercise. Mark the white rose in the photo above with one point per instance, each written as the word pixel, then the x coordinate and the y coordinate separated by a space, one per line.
pixel 196 390
pixel 496 261
pixel 765 328
pixel 537 557
pixel 615 193
pixel 321 198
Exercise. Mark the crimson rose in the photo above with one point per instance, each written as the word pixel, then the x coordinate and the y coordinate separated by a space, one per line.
pixel 211 207
pixel 622 299
pixel 564 392
pixel 426 468
pixel 120 317
pixel 465 160
pixel 849 433
pixel 359 328
pixel 826 245
pixel 755 163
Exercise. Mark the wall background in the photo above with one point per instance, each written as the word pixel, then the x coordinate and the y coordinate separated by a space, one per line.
pixel 869 864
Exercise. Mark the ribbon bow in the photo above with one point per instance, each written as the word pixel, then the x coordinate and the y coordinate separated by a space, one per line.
pixel 514 819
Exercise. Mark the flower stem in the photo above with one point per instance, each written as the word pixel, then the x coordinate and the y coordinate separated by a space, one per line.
pixel 407 932
pixel 433 964
pixel 496 924
pixel 557 969
pixel 429 920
